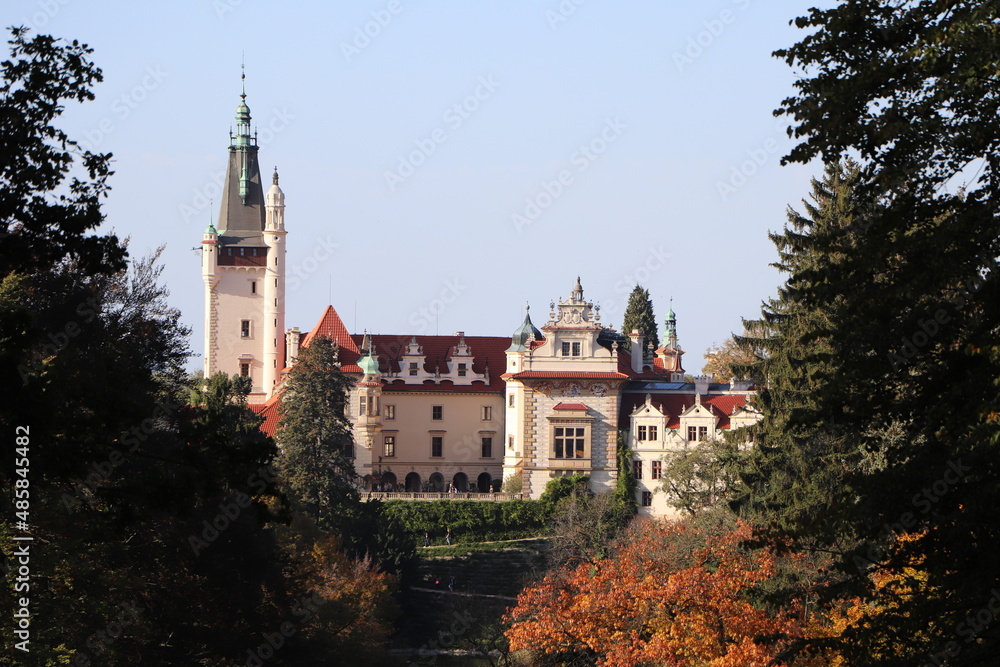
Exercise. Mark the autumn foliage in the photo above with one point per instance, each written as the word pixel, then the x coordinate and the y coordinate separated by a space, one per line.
pixel 668 595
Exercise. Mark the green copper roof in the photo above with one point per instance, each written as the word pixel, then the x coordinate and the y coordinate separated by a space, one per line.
pixel 368 364
pixel 211 229
pixel 524 335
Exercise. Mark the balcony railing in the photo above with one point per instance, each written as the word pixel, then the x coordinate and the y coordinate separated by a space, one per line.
pixel 439 495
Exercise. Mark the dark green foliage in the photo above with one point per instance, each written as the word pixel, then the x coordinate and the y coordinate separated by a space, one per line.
pixel 45 214
pixel 559 488
pixel 702 476
pixel 882 386
pixel 626 486
pixel 469 521
pixel 314 433
pixel 639 315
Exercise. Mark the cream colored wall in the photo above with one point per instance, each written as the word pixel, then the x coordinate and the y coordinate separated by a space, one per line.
pixel 461 428
pixel 235 303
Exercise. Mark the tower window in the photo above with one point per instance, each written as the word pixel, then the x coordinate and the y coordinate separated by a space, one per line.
pixel 363 406
pixel 245 369
pixel 569 443
pixel 253 286
pixel 641 433
pixel 244 328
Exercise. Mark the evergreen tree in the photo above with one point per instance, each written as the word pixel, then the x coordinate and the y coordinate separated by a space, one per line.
pixel 314 434
pixel 881 348
pixel 639 315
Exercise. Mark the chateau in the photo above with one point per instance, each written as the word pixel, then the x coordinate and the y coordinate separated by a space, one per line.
pixel 429 412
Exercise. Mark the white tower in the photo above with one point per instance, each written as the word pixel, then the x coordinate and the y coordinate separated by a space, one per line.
pixel 243 267
pixel 274 286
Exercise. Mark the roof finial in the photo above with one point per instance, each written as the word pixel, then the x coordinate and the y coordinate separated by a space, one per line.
pixel 274 179
pixel 243 73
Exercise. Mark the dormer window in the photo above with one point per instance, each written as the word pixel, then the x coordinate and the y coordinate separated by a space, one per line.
pixel 413 368
pixel 462 369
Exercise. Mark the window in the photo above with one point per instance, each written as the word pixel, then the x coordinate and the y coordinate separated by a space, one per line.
pixel 568 442
pixel 702 432
pixel 657 472
pixel 487 447
pixel 692 433
pixel 571 349
pixel 487 413
pixel 244 328
pixel 647 498
pixel 363 407
pixel 640 433
pixel 413 368
pixel 390 445
pixel 245 369
pixel 462 368
pixel 510 442
pixel 348 449
pixel 637 469
pixel 253 286
pixel 390 412
pixel 652 433
pixel 437 444
pixel 510 401
pixel 437 412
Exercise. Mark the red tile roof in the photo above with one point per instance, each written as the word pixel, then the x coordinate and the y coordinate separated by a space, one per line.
pixel 269 411
pixel 721 405
pixel 569 374
pixel 487 353
pixel 331 326
pixel 569 406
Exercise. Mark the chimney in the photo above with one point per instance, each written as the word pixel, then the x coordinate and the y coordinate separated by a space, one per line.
pixel 291 346
pixel 701 384
pixel 638 349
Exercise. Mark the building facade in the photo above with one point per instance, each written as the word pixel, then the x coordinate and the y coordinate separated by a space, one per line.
pixel 431 413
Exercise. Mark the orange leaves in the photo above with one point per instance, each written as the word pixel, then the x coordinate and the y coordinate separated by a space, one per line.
pixel 655 602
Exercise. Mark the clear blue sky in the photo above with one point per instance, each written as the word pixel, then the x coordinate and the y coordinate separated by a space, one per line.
pixel 645 111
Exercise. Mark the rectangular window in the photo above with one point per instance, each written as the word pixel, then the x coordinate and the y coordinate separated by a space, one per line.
pixel 510 442
pixel 487 448
pixel 565 349
pixel 692 433
pixel 244 328
pixel 253 286
pixel 568 443
pixel 245 369
pixel 510 401
pixel 640 433
pixel 657 472
pixel 703 433
pixel 437 444
pixel 487 413
pixel 637 469
pixel 390 445
pixel 652 433
pixel 363 406
pixel 437 412
pixel 462 368
pixel 413 368
pixel 348 449
pixel 390 412
pixel 647 498
pixel 576 349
